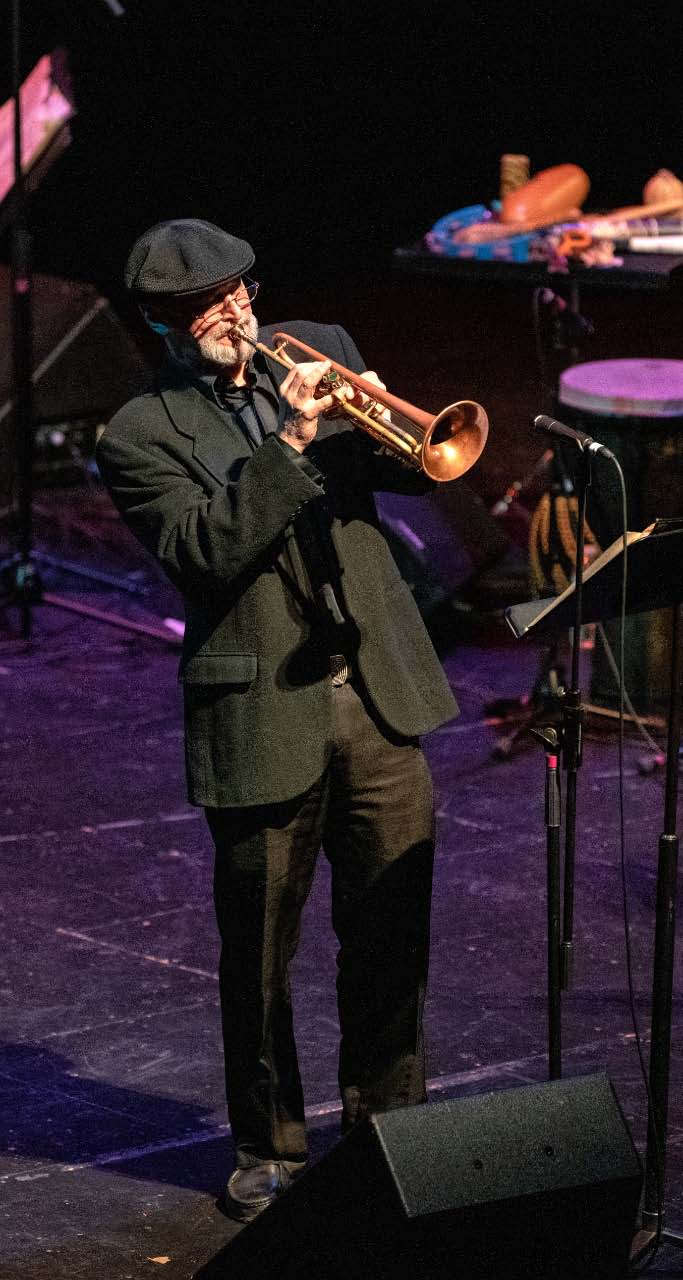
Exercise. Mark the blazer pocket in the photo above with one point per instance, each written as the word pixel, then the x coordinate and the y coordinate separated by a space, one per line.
pixel 220 668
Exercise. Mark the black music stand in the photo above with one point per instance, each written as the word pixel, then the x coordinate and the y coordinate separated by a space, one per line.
pixel 654 582
pixel 25 587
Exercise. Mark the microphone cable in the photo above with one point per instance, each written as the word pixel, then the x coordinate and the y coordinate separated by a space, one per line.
pixel 654 1245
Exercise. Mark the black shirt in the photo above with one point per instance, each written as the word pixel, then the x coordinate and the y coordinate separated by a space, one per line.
pixel 254 406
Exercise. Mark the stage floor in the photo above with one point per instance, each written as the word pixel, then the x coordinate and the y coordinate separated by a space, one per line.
pixel 115 1138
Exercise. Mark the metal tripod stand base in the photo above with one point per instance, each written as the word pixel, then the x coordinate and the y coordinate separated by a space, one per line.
pixel 113 619
pixel 27 592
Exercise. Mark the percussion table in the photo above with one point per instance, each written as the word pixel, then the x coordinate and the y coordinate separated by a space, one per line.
pixel 639 271
pixel 634 406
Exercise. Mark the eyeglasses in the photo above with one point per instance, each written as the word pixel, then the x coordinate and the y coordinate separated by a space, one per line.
pixel 225 292
pixel 190 309
pixel 251 287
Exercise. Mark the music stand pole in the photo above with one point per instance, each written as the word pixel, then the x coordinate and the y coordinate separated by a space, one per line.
pixel 663 968
pixel 550 738
pixel 654 582
pixel 26 584
pixel 26 587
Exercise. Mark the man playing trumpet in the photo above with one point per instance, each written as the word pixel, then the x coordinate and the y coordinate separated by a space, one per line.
pixel 308 678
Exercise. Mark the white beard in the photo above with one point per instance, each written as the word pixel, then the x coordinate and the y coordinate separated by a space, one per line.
pixel 211 352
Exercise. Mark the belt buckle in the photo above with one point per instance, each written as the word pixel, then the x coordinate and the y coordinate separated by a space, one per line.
pixel 339 669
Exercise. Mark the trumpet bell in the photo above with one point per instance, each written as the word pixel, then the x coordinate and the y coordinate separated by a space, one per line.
pixel 454 440
pixel 444 447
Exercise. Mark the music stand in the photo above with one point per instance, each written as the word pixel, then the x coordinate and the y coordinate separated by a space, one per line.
pixel 654 582
pixel 34 131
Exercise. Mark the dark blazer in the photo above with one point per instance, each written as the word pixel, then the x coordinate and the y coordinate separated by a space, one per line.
pixel 231 528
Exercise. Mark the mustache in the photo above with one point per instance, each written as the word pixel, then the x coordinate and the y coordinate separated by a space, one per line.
pixel 222 330
pixel 218 331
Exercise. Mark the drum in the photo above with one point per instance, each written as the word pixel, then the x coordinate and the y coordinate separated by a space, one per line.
pixel 635 408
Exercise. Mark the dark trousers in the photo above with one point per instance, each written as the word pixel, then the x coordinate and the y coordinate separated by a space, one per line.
pixel 372 812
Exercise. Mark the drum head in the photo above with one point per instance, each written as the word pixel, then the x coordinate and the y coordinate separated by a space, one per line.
pixel 625 388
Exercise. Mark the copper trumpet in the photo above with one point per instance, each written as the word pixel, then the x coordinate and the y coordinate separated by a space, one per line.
pixel 444 445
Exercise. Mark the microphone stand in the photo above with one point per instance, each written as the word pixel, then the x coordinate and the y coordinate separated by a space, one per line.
pixel 567 743
pixel 572 733
pixel 654 583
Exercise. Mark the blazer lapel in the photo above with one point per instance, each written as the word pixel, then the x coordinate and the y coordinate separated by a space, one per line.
pixel 216 441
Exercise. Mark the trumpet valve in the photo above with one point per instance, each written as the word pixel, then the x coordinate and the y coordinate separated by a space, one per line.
pixel 329 383
pixel 380 413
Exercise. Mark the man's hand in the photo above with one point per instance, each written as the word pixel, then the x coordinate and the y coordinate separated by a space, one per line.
pixel 300 410
pixel 361 401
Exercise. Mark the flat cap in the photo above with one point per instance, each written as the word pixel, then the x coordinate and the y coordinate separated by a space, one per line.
pixel 183 257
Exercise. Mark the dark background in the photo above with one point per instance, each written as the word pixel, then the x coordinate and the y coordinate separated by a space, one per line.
pixel 327 136
pixel 330 134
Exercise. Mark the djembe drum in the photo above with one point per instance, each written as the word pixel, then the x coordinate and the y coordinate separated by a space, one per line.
pixel 635 408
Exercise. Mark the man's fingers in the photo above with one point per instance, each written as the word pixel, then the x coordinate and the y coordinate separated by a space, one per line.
pixel 371 376
pixel 324 403
pixel 301 381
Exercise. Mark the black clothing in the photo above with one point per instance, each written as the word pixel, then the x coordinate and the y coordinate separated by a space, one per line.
pixel 221 518
pixel 255 406
pixel 372 812
pixel 184 256
pixel 283 565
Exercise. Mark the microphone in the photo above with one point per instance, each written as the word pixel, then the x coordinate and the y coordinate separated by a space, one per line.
pixel 554 428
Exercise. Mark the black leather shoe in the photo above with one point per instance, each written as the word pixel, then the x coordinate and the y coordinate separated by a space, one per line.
pixel 249 1191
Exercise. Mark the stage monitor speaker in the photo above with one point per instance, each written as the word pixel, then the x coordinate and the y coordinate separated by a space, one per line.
pixel 85 363
pixel 541 1181
pixel 452 528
